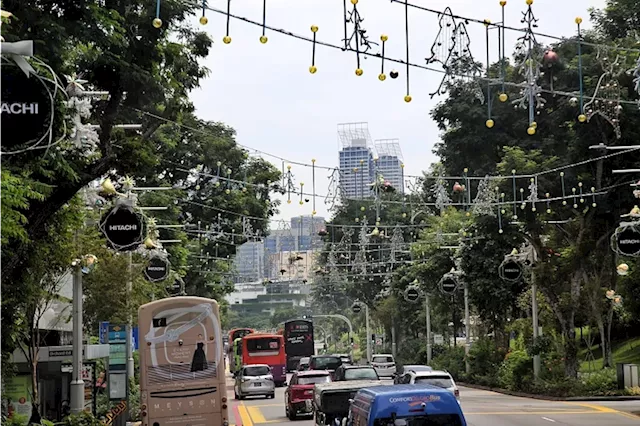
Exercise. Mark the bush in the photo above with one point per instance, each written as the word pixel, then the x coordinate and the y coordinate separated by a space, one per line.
pixel 451 360
pixel 603 382
pixel 516 371
pixel 485 359
pixel 134 400
pixel 15 420
pixel 81 419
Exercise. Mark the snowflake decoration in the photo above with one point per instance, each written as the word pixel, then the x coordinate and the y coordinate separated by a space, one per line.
pixel 397 242
pixel 608 89
pixel 485 199
pixel 442 197
pixel 533 191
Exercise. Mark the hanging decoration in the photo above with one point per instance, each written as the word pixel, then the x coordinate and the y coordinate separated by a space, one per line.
pixel 360 260
pixel 313 68
pixel 227 39
pixel 441 195
pixel 203 19
pixel 622 269
pixel 157 268
pixel 451 49
pixel 486 198
pixel 625 241
pixel 85 138
pixel 449 282
pixel 528 52
pixel 511 269
pixel 605 101
pixel 635 72
pixel 358 37
pixel 412 293
pixel 407 97
pixel 382 76
pixel 397 244
pixel 263 37
pixel 533 193
pixel 123 226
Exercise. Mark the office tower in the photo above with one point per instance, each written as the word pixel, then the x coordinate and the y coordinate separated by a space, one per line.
pixel 389 162
pixel 356 160
pixel 249 261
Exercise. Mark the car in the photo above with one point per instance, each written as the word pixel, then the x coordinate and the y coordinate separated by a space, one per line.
pixel 303 365
pixel 346 358
pixel 298 397
pixel 407 368
pixel 254 379
pixel 355 372
pixel 325 362
pixel 384 364
pixel 440 379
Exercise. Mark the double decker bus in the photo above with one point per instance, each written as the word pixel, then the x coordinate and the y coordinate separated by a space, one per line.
pixel 182 377
pixel 235 333
pixel 298 341
pixel 266 349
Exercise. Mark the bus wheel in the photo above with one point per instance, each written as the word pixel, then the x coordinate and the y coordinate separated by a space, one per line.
pixel 235 394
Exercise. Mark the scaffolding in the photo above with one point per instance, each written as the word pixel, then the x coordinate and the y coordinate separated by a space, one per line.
pixel 389 148
pixel 354 135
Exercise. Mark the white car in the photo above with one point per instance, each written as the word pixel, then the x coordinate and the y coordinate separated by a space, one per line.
pixel 384 365
pixel 441 379
pixel 255 379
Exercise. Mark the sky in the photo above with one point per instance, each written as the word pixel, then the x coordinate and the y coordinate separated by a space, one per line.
pixel 266 93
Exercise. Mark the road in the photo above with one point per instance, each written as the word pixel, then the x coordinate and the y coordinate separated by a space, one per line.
pixel 481 408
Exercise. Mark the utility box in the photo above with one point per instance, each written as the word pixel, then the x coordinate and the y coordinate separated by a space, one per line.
pixel 627 375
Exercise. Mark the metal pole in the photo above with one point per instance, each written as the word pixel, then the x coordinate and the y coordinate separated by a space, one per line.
pixel 428 314
pixel 366 312
pixel 130 365
pixel 77 384
pixel 467 329
pixel 534 316
pixel 393 337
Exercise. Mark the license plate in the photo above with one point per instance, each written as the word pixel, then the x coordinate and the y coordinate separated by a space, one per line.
pixel 257 384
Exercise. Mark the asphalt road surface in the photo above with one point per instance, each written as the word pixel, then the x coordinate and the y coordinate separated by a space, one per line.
pixel 481 408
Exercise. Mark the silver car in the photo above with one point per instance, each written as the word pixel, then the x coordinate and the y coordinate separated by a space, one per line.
pixel 255 379
pixel 384 364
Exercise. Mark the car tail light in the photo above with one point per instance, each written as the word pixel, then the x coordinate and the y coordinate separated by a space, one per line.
pixel 456 393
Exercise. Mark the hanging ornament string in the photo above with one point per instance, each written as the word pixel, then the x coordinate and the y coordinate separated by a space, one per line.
pixel 312 68
pixel 382 76
pixel 313 184
pixel 501 48
pixel 203 19
pixel 263 37
pixel 407 97
pixel 227 39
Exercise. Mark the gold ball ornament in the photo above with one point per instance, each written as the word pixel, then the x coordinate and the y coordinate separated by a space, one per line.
pixel 489 123
pixel 313 69
pixel 534 124
pixel 582 118
pixel 359 72
pixel 157 22
pixel 288 201
pixel 578 20
pixel 529 2
pixel 407 98
pixel 314 28
pixel 622 269
pixel 301 202
pixel 226 39
pixel 503 97
pixel 382 77
pixel 354 1
pixel 263 39
pixel 531 130
pixel 384 37
pixel 228 191
pixel 204 20
pixel 503 3
pixel 314 213
pixel 362 208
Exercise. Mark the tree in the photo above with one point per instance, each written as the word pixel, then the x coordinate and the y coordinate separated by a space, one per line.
pixel 282 315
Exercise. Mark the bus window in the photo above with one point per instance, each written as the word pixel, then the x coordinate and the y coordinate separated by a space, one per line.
pixel 264 344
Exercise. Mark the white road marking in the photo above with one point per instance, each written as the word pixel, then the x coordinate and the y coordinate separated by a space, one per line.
pixel 549 420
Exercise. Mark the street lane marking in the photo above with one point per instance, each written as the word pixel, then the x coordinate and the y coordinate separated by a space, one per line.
pixel 518 413
pixel 603 409
pixel 244 415
pixel 255 414
pixel 269 405
pixel 549 420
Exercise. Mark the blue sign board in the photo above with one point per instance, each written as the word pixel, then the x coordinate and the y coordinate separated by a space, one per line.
pixel 104 332
pixel 134 340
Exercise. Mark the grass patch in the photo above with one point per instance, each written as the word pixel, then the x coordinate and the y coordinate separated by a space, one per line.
pixel 624 351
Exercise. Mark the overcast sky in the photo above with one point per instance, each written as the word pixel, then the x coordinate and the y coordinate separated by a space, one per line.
pixel 267 94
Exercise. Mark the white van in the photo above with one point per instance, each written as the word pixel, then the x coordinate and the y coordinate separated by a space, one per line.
pixel 384 365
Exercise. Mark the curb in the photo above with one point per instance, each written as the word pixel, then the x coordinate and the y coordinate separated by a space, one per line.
pixel 552 398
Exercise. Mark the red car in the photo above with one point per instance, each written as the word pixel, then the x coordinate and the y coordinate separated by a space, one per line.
pixel 298 396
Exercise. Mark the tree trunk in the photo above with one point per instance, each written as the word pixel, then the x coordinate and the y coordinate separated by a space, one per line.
pixel 603 346
pixel 607 342
pixel 570 347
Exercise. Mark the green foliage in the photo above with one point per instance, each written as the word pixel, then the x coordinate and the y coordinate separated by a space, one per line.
pixel 16 191
pixel 81 419
pixel 134 399
pixel 15 420
pixel 281 315
pixel 485 359
pixel 450 359
pixel 600 382
pixel 516 371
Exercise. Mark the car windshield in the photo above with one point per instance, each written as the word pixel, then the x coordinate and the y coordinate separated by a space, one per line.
pixel 381 359
pixel 345 359
pixel 313 380
pixel 304 360
pixel 429 420
pixel 326 363
pixel 439 381
pixel 360 374
pixel 257 371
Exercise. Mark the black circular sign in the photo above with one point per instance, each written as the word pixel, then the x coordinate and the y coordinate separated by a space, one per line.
pixel 356 309
pixel 511 270
pixel 629 241
pixel 26 108
pixel 448 285
pixel 157 269
pixel 123 228
pixel 412 294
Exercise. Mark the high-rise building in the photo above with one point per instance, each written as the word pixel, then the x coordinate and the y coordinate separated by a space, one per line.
pixel 389 162
pixel 249 261
pixel 356 160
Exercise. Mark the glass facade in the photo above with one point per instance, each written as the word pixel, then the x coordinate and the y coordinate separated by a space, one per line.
pixel 356 184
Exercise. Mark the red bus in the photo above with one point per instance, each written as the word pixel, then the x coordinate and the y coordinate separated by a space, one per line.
pixel 266 349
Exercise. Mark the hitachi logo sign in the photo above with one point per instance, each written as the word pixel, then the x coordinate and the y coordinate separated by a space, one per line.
pixel 123 227
pixel 156 268
pixel 20 108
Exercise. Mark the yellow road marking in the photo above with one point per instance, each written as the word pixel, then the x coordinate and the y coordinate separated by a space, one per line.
pixel 256 414
pixel 269 405
pixel 244 415
pixel 603 409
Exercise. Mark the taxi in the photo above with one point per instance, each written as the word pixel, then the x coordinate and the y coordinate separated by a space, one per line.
pixel 404 405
